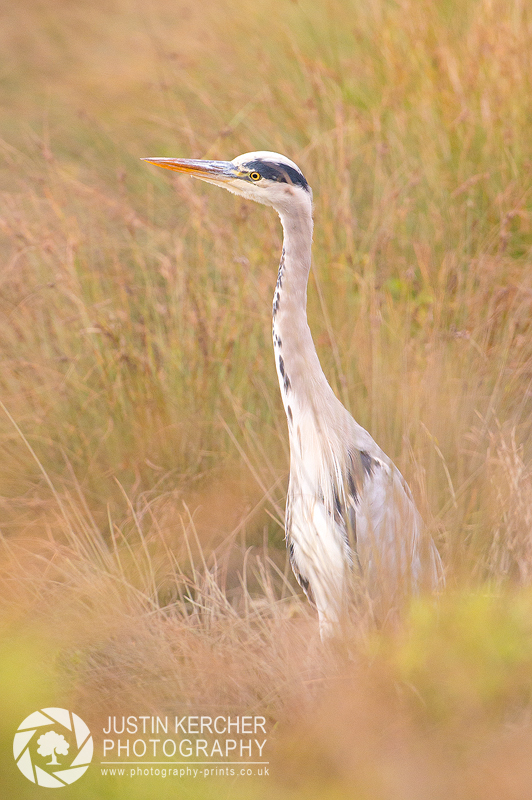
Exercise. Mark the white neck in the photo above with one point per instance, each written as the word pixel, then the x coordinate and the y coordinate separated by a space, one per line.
pixel 301 377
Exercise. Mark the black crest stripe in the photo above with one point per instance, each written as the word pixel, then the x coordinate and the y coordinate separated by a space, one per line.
pixel 283 173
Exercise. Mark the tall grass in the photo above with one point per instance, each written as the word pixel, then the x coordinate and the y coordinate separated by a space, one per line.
pixel 144 445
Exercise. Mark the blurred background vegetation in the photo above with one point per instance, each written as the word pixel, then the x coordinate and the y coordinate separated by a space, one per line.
pixel 144 449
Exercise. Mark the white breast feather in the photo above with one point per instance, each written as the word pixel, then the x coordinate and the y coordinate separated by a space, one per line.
pixel 386 522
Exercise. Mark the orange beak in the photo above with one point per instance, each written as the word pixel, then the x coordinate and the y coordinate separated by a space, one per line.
pixel 211 171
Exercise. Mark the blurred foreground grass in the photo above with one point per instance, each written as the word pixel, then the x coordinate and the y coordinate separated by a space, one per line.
pixel 144 445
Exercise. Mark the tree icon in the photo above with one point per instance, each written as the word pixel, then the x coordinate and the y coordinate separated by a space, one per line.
pixel 51 743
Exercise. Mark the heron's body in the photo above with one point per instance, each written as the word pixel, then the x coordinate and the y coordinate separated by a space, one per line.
pixel 350 517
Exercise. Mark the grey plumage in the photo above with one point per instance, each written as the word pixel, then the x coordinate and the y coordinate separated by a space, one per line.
pixel 351 522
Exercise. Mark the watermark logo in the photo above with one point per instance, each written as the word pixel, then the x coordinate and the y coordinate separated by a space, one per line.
pixel 53 747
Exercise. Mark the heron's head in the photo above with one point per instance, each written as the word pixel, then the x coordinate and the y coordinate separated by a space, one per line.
pixel 265 177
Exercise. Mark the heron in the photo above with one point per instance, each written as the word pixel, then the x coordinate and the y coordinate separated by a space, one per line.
pixel 351 525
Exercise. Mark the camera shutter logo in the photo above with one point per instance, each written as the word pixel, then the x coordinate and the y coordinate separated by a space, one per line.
pixel 60 737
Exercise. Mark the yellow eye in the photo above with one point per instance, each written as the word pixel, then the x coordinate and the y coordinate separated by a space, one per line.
pixel 255 176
